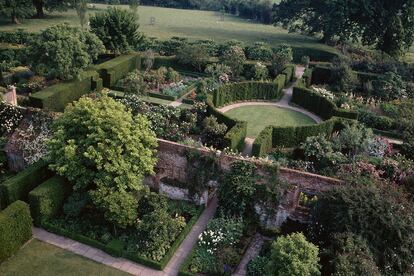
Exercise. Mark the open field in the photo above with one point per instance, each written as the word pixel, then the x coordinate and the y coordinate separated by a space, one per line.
pixel 193 24
pixel 259 116
pixel 39 258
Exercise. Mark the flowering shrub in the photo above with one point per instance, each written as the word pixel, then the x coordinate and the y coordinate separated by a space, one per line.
pixel 10 117
pixel 378 147
pixel 173 89
pixel 324 92
pixel 260 71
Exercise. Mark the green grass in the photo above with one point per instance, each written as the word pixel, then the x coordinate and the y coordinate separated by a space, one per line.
pixel 260 116
pixel 39 258
pixel 185 23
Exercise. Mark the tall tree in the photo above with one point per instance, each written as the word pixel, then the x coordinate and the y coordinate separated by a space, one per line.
pixel 49 5
pixel 16 9
pixel 387 25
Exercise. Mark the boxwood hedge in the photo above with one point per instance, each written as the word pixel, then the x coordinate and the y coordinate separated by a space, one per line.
pixel 47 199
pixel 15 228
pixel 19 186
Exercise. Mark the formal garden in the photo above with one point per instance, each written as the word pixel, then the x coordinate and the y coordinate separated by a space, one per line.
pixel 196 157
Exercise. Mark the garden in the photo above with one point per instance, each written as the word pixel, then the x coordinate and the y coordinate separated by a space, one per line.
pixel 126 144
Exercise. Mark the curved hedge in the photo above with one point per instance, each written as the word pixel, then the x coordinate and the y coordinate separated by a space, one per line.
pixel 318 104
pixel 15 228
pixel 243 91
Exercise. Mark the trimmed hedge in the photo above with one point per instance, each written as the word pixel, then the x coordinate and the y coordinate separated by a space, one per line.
pixel 56 97
pixel 115 69
pixel 234 138
pixel 19 186
pixel 243 91
pixel 15 228
pixel 289 72
pixel 322 74
pixel 47 199
pixel 318 104
pixel 326 54
pixel 307 77
pixel 280 81
pixel 172 61
pixel 114 248
pixel 273 136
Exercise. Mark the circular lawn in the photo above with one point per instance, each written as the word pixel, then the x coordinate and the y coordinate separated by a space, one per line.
pixel 260 116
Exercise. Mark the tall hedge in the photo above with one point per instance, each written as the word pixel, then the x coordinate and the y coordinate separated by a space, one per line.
pixel 307 77
pixel 56 97
pixel 280 81
pixel 15 228
pixel 47 199
pixel 242 91
pixel 263 142
pixel 289 72
pixel 115 69
pixel 19 186
pixel 234 138
pixel 318 104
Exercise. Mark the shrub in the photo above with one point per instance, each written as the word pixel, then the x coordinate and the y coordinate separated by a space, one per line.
pixel 117 29
pixel 194 55
pixel 256 266
pixel 234 58
pixel 281 57
pixel 18 187
pixel 289 72
pixel 260 71
pixel 15 228
pixel 115 69
pixel 46 200
pixel 280 81
pixel 63 51
pixel 259 51
pixel 293 255
pixel 213 132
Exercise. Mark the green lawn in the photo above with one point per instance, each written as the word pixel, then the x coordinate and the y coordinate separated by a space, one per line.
pixel 185 23
pixel 260 116
pixel 41 259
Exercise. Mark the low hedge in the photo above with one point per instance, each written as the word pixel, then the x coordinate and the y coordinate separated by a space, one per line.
pixel 47 199
pixel 243 91
pixel 273 136
pixel 15 228
pixel 116 249
pixel 19 186
pixel 115 69
pixel 318 104
pixel 56 97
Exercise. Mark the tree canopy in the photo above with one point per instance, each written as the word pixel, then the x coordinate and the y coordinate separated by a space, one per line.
pixel 105 151
pixel 63 51
pixel 387 25
pixel 16 9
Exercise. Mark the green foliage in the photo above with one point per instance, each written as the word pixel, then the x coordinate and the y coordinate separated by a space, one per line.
pixel 237 188
pixel 213 132
pixel 46 200
pixel 133 5
pixel 234 138
pixel 134 83
pixel 260 71
pixel 318 104
pixel 16 9
pixel 15 228
pixel 56 97
pixel 352 256
pixel 104 150
pixel 117 29
pixel 263 142
pixel 289 72
pixel 256 266
pixel 293 255
pixel 281 57
pixel 389 86
pixel 234 58
pixel 10 117
pixel 63 51
pixel 242 91
pixel 342 76
pixel 380 214
pixel 259 51
pixel 18 187
pixel 81 7
pixel 194 55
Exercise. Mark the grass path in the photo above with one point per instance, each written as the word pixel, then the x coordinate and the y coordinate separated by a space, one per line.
pixel 39 258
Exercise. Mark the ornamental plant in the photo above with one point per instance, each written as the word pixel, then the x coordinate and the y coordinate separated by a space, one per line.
pixel 104 151
pixel 293 255
pixel 10 117
pixel 63 51
pixel 234 58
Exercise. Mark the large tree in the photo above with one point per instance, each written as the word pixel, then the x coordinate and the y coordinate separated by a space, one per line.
pixel 117 28
pixel 63 51
pixel 105 152
pixel 50 5
pixel 388 25
pixel 16 9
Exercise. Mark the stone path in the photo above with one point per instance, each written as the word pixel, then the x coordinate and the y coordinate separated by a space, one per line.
pixel 283 103
pixel 133 268
pixel 253 251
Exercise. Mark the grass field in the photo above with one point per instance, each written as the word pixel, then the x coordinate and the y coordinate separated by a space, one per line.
pixel 260 116
pixel 185 23
pixel 39 258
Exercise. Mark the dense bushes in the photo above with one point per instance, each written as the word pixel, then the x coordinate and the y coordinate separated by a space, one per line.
pixel 318 104
pixel 117 68
pixel 245 91
pixel 19 186
pixel 15 228
pixel 280 81
pixel 289 72
pixel 56 97
pixel 47 199
pixel 307 77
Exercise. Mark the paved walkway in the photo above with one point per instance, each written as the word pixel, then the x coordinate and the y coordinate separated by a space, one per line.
pixel 125 265
pixel 253 251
